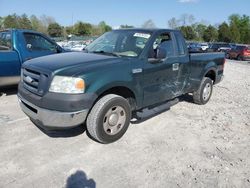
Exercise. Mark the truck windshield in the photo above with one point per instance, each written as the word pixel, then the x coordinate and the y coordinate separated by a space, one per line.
pixel 5 40
pixel 120 43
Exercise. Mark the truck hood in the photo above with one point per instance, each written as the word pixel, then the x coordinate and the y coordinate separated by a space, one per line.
pixel 66 61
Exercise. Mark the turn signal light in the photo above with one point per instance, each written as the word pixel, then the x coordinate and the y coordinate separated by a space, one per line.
pixel 80 84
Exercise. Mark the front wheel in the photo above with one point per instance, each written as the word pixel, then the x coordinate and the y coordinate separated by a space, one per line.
pixel 109 118
pixel 203 94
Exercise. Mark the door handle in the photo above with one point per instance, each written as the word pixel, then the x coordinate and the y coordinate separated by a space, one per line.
pixel 175 66
pixel 134 71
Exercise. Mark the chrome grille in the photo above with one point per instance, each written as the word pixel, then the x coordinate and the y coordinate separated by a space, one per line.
pixel 34 81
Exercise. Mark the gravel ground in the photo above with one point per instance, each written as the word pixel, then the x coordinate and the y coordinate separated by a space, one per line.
pixel 186 146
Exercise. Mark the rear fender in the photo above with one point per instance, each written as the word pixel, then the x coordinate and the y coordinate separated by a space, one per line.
pixel 211 66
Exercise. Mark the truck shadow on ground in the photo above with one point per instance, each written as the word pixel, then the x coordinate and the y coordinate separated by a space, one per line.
pixel 186 98
pixel 6 91
pixel 79 180
pixel 76 131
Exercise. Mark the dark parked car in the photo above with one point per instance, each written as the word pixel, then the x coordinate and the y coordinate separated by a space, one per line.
pixel 121 73
pixel 195 47
pixel 239 52
pixel 219 47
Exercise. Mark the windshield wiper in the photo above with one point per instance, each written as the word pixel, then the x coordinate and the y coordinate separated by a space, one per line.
pixel 106 53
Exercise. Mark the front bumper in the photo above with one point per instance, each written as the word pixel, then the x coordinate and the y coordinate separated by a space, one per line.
pixel 52 119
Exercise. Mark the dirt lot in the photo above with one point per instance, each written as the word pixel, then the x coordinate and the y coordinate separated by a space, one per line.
pixel 186 146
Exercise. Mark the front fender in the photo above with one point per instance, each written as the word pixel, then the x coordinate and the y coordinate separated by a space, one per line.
pixel 102 80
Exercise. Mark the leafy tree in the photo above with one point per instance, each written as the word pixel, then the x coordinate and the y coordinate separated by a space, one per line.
pixel 96 30
pixel 69 30
pixel 55 30
pixel 240 28
pixel 245 29
pixel 41 24
pixel 24 22
pixel 235 33
pixel 1 22
pixel 148 24
pixel 188 32
pixel 224 34
pixel 104 27
pixel 234 18
pixel 81 28
pixel 35 23
pixel 210 34
pixel 199 29
pixel 11 21
pixel 247 37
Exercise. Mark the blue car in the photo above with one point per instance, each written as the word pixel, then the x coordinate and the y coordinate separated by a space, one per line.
pixel 18 46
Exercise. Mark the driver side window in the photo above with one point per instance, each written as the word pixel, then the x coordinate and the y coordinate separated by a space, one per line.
pixel 5 41
pixel 164 41
pixel 38 43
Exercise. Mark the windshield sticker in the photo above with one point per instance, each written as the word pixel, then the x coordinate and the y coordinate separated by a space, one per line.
pixel 142 35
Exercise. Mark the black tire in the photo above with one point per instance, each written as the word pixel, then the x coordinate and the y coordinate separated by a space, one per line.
pixel 240 58
pixel 199 96
pixel 97 119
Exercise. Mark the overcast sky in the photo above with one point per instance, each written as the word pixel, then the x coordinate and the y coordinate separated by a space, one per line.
pixel 131 12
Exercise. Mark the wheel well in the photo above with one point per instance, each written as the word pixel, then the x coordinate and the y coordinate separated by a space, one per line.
pixel 211 74
pixel 121 91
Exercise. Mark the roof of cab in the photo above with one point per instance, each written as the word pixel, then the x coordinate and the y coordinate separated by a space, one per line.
pixel 151 30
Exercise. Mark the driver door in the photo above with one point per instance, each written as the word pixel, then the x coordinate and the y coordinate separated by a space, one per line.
pixel 36 46
pixel 160 74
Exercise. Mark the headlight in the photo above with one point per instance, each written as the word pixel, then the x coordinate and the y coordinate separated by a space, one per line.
pixel 62 84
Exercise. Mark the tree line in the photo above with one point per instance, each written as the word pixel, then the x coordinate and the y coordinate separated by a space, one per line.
pixel 235 30
pixel 48 25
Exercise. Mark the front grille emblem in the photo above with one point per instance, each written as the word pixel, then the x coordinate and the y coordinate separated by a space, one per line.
pixel 29 79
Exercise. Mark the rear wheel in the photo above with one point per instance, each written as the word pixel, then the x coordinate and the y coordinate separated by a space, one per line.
pixel 203 94
pixel 109 118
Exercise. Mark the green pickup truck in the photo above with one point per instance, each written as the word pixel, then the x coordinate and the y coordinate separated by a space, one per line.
pixel 118 75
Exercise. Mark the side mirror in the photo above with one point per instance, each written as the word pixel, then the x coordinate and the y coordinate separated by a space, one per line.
pixel 59 49
pixel 161 53
pixel 29 46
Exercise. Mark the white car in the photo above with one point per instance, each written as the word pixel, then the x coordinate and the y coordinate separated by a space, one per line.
pixel 204 46
pixel 78 47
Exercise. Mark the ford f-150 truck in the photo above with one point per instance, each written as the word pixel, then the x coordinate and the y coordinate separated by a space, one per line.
pixel 119 74
pixel 17 46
